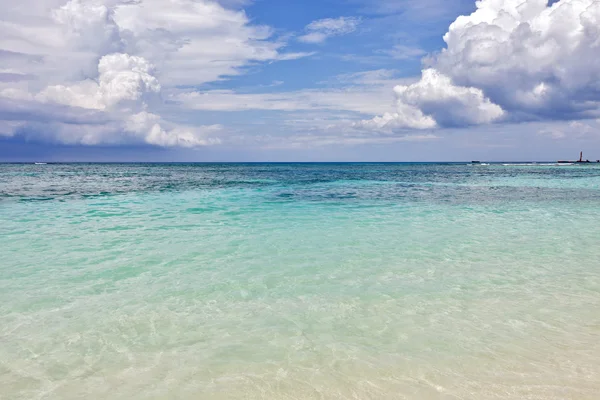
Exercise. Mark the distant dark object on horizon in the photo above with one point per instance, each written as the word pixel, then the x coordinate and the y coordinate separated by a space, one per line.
pixel 580 161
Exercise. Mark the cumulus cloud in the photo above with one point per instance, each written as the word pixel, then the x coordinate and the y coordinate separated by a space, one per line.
pixel 116 58
pixel 449 105
pixel 406 117
pixel 89 26
pixel 510 60
pixel 320 30
pixel 149 126
pixel 75 125
pixel 196 41
pixel 433 101
pixel 121 77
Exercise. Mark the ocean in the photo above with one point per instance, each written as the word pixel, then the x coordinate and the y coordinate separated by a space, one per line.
pixel 299 281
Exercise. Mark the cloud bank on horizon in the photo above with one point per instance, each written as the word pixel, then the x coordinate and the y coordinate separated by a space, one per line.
pixel 91 72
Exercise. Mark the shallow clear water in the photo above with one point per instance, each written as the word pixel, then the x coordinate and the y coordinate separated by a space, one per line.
pixel 299 281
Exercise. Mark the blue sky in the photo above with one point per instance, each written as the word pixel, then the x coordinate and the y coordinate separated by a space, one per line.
pixel 330 80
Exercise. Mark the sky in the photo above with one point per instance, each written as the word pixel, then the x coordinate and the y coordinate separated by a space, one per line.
pixel 299 80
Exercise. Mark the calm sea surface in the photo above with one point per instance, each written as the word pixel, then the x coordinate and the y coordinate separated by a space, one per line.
pixel 299 281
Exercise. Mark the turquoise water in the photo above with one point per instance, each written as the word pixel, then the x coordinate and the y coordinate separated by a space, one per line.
pixel 299 281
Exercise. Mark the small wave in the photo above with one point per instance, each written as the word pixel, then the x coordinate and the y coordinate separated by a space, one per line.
pixel 40 163
pixel 534 164
pixel 35 199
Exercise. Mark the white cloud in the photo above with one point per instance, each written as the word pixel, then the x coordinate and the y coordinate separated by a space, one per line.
pixel 310 141
pixel 149 127
pixel 117 57
pixel 403 52
pixel 510 60
pixel 376 77
pixel 15 93
pixel 435 100
pixel 572 130
pixel 295 56
pixel 8 128
pixel 406 117
pixel 75 125
pixel 356 93
pixel 89 26
pixel 121 77
pixel 364 100
pixel 97 71
pixel 195 41
pixel 320 30
pixel 529 57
